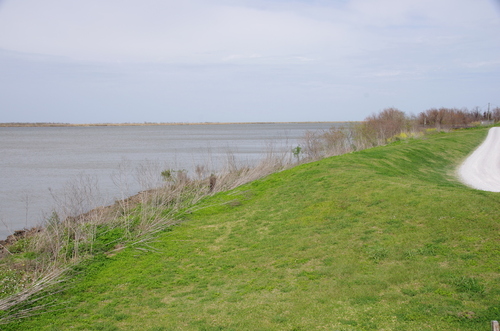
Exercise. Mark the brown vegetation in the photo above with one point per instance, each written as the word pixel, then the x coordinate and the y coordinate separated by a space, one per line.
pixel 452 118
pixel 375 130
pixel 389 125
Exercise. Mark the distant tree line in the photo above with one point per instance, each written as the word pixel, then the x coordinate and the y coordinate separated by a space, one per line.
pixel 389 125
pixel 452 118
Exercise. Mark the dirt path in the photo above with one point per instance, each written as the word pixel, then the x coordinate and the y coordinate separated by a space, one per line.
pixel 481 170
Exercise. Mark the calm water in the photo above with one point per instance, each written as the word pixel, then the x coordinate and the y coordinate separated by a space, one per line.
pixel 38 166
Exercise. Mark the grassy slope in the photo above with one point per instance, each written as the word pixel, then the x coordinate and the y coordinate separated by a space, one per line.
pixel 382 239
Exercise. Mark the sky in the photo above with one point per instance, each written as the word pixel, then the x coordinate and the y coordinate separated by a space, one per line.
pixel 122 61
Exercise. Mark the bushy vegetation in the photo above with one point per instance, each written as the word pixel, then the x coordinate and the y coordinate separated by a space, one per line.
pixel 389 125
pixel 446 118
pixel 379 129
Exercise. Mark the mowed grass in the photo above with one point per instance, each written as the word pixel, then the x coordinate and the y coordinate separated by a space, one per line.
pixel 382 239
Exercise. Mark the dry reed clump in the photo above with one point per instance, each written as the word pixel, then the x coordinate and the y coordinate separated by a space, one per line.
pixel 25 302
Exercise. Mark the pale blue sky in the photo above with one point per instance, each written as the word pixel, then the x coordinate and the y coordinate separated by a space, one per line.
pixel 237 61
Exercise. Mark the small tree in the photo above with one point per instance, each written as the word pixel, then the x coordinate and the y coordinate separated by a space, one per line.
pixel 296 152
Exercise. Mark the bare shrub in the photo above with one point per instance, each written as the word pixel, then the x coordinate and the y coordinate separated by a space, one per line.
pixel 453 118
pixel 312 145
pixel 234 174
pixel 374 131
pixel 339 140
pixel 495 114
pixel 445 118
pixel 389 125
pixel 77 196
pixel 324 143
pixel 377 129
pixel 149 174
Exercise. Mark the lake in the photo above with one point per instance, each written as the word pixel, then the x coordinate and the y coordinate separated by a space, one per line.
pixel 39 165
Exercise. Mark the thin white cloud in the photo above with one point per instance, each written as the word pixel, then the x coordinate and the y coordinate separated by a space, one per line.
pixel 483 64
pixel 154 30
pixel 211 31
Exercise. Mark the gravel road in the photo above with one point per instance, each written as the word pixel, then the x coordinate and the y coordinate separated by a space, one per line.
pixel 481 170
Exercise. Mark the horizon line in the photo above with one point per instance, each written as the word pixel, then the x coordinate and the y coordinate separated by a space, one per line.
pixel 57 124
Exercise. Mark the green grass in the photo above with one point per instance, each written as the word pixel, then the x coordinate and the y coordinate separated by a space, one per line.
pixel 382 239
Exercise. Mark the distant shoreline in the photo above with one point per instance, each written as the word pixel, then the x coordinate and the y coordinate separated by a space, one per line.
pixel 42 124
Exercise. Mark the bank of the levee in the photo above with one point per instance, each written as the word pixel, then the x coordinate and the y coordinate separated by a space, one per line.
pixel 382 239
